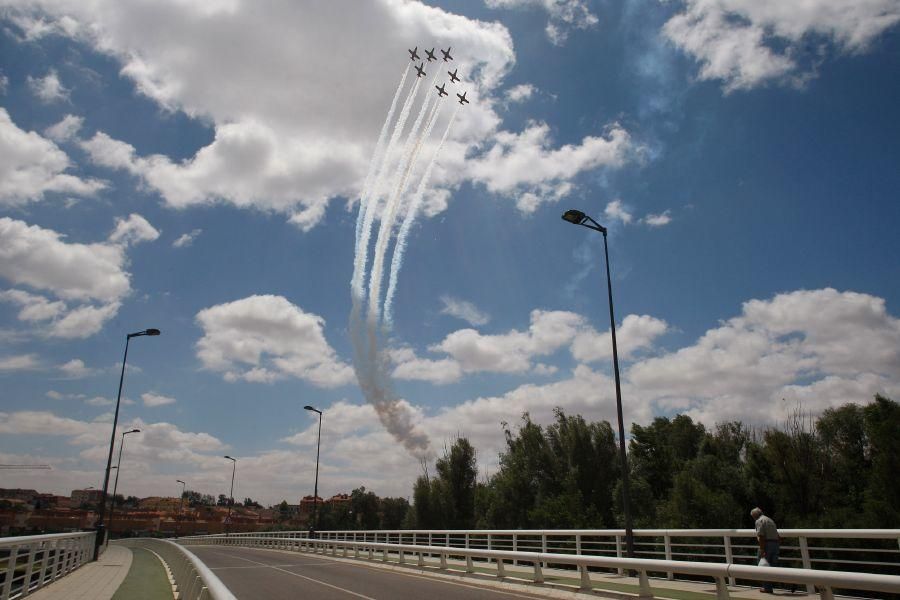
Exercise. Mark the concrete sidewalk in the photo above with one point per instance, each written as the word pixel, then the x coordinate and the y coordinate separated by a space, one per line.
pixel 94 581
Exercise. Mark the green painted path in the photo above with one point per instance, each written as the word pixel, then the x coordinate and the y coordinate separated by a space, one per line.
pixel 146 579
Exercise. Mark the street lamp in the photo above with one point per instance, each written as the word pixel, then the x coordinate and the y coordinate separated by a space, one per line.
pixel 112 440
pixel 181 508
pixel 577 217
pixel 231 495
pixel 316 488
pixel 118 468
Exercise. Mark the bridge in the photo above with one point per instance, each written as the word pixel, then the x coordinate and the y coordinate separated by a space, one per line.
pixel 715 564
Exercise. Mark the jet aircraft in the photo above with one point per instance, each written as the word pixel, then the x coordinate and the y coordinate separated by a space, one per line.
pixel 462 98
pixel 420 70
pixel 446 54
pixel 430 54
pixel 413 54
pixel 441 90
pixel 453 77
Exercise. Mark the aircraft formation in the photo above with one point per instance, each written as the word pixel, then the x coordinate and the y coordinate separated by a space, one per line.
pixel 430 57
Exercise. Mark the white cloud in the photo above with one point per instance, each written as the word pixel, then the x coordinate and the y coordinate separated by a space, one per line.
pixel 524 165
pixel 295 146
pixel 31 166
pixel 75 273
pixel 133 230
pixel 76 369
pixel 777 348
pixel 660 220
pixel 636 332
pixel 615 211
pixel 21 362
pixel 99 401
pixel 519 93
pixel 564 15
pixel 747 43
pixel 66 129
pixel 49 88
pixel 186 239
pixel 264 338
pixel 4 83
pixel 154 399
pixel 461 309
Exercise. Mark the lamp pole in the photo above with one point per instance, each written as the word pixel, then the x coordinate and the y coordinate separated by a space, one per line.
pixel 181 508
pixel 316 488
pixel 579 218
pixel 231 494
pixel 112 441
pixel 118 468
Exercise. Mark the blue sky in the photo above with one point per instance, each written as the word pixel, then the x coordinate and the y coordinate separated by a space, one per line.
pixel 200 170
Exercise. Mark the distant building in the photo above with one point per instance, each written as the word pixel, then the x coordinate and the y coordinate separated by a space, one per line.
pixel 160 503
pixel 339 500
pixel 80 497
pixel 18 494
pixel 307 503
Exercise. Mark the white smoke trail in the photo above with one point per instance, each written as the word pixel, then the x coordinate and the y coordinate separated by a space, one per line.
pixel 377 156
pixel 389 214
pixel 362 246
pixel 412 210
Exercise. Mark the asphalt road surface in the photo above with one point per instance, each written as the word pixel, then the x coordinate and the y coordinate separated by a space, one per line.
pixel 253 574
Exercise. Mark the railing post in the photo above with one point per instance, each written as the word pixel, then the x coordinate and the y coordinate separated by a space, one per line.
pixel 578 543
pixel 469 567
pixel 807 563
pixel 721 589
pixel 619 552
pixel 538 573
pixel 421 561
pixel 45 561
pixel 515 547
pixel 729 555
pixel 10 571
pixel 443 560
pixel 644 586
pixel 586 584
pixel 544 545
pixel 501 572
pixel 667 541
pixel 825 593
pixel 26 583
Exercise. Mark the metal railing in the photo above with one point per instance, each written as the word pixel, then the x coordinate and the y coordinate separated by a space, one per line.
pixel 822 580
pixel 193 579
pixel 31 562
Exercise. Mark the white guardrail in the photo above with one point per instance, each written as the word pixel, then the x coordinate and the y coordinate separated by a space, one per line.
pixel 193 579
pixel 31 562
pixel 720 554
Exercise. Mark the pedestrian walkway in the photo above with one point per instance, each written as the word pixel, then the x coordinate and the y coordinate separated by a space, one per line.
pixel 94 581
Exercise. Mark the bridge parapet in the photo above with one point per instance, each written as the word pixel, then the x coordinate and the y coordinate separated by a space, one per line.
pixel 30 562
pixel 193 579
pixel 576 549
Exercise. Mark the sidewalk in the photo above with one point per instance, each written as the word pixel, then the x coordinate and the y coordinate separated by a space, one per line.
pixel 94 581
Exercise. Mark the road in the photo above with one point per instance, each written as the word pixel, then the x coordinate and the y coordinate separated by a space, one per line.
pixel 253 574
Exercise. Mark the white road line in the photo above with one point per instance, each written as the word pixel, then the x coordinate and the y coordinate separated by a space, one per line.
pixel 326 584
pixel 262 566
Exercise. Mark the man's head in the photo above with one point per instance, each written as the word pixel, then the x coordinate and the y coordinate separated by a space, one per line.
pixel 756 513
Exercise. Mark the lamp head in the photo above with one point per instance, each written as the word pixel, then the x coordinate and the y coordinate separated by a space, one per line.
pixel 179 481
pixel 144 332
pixel 574 216
pixel 132 431
pixel 230 458
pixel 308 407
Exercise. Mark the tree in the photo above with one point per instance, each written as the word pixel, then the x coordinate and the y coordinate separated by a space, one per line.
pixel 223 500
pixel 393 512
pixel 365 508
pixel 457 471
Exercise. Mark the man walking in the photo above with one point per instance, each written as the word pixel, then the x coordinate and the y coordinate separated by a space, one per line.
pixel 769 542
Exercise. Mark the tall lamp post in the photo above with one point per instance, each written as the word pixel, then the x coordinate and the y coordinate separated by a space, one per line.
pixel 231 494
pixel 579 218
pixel 112 440
pixel 181 508
pixel 118 468
pixel 316 488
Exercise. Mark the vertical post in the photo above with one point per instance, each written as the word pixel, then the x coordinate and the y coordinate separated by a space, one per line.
pixel 729 556
pixel 316 486
pixel 807 563
pixel 667 542
pixel 11 571
pixel 619 552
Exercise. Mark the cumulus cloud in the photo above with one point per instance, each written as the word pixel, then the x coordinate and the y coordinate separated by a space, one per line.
pixel 747 43
pixel 295 146
pixel 31 166
pixel 133 230
pixel 797 342
pixel 266 338
pixel 78 274
pixel 20 362
pixel 154 399
pixel 76 369
pixel 660 220
pixel 66 129
pixel 48 88
pixel 519 93
pixel 525 166
pixel 563 15
pixel 186 239
pixel 634 333
pixel 616 211
pixel 462 309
